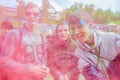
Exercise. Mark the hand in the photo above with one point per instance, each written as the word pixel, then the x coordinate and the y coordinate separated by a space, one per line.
pixel 39 71
pixel 90 72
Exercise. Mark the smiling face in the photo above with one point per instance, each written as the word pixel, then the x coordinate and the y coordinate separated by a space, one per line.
pixel 31 14
pixel 80 32
pixel 63 32
pixel 80 22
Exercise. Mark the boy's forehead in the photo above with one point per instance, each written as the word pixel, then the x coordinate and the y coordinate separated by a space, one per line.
pixel 79 25
pixel 74 27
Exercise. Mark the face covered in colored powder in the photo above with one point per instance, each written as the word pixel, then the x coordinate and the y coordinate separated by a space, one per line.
pixel 80 31
pixel 63 32
pixel 32 15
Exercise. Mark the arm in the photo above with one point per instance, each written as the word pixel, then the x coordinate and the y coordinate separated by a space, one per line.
pixel 11 65
pixel 8 51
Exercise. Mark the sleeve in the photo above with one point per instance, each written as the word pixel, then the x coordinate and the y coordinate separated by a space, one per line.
pixel 6 60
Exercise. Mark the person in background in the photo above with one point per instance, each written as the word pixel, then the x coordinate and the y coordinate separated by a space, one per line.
pixel 4 28
pixel 97 48
pixel 61 59
pixel 21 56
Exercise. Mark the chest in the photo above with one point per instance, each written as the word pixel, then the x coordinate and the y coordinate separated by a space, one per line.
pixel 31 49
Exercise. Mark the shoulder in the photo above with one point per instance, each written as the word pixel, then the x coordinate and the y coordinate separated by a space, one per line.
pixel 73 44
pixel 106 35
pixel 109 35
pixel 51 46
pixel 13 34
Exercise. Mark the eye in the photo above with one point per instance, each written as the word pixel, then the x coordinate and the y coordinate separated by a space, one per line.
pixel 66 30
pixel 35 14
pixel 60 30
pixel 80 26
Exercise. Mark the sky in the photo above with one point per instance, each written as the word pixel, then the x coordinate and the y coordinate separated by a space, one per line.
pixel 59 5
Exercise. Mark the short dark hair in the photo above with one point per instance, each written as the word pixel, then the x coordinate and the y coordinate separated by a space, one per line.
pixel 30 5
pixel 76 16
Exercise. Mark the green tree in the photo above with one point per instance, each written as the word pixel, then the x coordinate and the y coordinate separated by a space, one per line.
pixel 98 15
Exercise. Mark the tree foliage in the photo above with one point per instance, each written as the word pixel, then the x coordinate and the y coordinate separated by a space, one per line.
pixel 98 15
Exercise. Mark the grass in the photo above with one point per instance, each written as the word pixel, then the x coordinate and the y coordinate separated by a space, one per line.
pixel 115 22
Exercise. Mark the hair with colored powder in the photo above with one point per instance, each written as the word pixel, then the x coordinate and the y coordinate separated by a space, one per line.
pixel 76 16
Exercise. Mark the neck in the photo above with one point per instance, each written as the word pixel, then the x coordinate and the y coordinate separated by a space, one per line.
pixel 90 39
pixel 29 27
pixel 63 42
